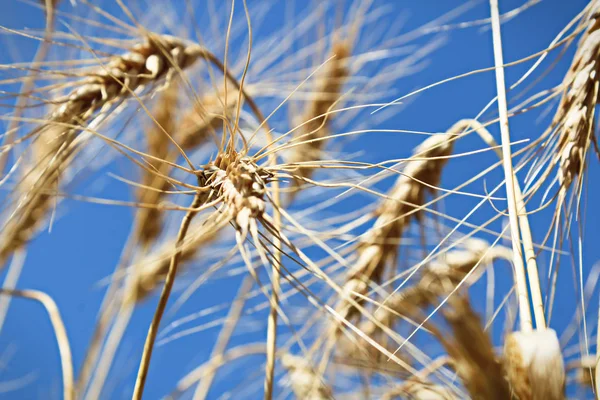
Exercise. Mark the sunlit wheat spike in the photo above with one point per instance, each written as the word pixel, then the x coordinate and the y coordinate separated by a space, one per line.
pixel 472 352
pixel 437 280
pixel 316 119
pixel 379 246
pixel 305 382
pixel 574 119
pixel 577 108
pixel 534 365
pixel 240 184
pixel 155 58
pixel 50 155
pixel 149 219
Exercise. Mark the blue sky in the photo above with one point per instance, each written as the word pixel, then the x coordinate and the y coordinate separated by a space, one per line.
pixel 85 243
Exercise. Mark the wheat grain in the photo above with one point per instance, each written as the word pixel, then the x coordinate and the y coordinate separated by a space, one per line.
pixel 534 365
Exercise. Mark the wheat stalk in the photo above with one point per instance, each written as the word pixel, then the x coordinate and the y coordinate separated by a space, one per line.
pixel 61 335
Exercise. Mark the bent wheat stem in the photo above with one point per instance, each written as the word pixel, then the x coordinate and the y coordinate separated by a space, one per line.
pixel 61 334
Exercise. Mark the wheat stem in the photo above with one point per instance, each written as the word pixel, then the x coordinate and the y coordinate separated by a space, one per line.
pixel 521 280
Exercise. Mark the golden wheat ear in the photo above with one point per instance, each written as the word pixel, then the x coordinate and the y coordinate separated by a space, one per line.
pixel 315 121
pixel 304 381
pixel 437 280
pixel 155 59
pixel 403 203
pixel 575 117
pixel 534 365
pixel 472 352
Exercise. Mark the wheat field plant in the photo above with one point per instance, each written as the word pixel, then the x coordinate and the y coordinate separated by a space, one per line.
pixel 273 199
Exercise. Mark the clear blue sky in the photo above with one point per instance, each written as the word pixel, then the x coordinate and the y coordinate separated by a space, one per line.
pixel 85 243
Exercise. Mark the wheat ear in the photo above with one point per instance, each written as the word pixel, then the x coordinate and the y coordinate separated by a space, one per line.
pixel 575 114
pixel 534 365
pixel 305 382
pixel 314 132
pixel 472 352
pixel 437 280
